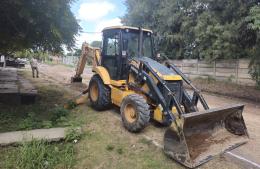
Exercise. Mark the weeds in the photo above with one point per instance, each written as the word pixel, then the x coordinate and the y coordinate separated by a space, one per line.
pixel 58 116
pixel 211 79
pixel 58 113
pixel 110 147
pixel 43 114
pixel 47 124
pixel 120 150
pixel 231 78
pixel 73 134
pixel 145 141
pixel 41 155
pixel 31 122
pixel 71 105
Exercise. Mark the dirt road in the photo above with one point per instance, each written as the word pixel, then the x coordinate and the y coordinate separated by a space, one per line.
pixel 247 156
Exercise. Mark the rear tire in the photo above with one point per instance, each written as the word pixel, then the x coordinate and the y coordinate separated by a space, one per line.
pixel 99 94
pixel 135 113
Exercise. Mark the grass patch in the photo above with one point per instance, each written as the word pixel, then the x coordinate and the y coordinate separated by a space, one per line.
pixel 106 145
pixel 110 147
pixel 30 122
pixel 40 155
pixel 120 150
pixel 73 134
pixel 145 141
pixel 47 112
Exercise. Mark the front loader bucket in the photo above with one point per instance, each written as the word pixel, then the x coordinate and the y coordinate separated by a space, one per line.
pixel 206 134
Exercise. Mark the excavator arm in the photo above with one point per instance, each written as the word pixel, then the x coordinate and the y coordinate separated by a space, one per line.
pixel 87 52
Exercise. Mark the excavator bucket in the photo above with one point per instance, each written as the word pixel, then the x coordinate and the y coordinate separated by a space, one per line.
pixel 206 134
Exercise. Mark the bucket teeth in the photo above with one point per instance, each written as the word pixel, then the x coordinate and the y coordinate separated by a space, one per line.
pixel 205 135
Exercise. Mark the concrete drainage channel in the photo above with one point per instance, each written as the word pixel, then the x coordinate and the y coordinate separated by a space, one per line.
pixel 236 158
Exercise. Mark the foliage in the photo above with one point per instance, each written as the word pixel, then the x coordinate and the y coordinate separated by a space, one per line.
pixel 202 29
pixel 120 150
pixel 254 24
pixel 30 122
pixel 73 134
pixel 37 25
pixel 77 52
pixel 58 113
pixel 71 104
pixel 110 147
pixel 96 44
pixel 41 55
pixel 41 155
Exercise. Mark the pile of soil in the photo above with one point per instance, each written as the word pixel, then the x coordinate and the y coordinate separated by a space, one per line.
pixel 228 89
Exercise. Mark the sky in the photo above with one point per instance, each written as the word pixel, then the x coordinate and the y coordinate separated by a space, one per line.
pixel 94 15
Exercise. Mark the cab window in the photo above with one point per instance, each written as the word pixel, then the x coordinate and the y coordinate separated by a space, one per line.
pixel 112 45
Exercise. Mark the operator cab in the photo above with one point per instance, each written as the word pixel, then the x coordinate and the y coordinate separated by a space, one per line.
pixel 122 43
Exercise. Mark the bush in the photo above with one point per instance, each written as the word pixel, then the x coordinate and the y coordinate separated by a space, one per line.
pixel 58 112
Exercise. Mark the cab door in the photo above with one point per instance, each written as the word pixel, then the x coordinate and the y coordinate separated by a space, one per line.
pixel 111 55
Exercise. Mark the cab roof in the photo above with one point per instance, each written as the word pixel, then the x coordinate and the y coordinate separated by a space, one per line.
pixel 126 27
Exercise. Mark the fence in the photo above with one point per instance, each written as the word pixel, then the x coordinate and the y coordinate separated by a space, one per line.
pixel 226 70
pixel 70 60
pixel 229 70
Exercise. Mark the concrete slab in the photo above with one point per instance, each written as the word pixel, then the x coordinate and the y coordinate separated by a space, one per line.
pixel 16 137
pixel 14 88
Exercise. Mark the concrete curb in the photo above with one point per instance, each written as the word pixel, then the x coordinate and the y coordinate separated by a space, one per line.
pixel 18 137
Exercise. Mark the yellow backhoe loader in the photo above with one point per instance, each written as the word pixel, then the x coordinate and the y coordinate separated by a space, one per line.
pixel 127 73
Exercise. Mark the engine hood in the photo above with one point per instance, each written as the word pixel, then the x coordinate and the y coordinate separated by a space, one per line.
pixel 163 71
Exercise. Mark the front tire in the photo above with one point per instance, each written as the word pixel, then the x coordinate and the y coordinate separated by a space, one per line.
pixel 135 113
pixel 99 94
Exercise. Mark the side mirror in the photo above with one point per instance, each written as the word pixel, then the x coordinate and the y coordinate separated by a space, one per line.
pixel 158 57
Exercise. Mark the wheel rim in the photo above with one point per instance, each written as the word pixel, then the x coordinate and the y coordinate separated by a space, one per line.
pixel 94 91
pixel 130 113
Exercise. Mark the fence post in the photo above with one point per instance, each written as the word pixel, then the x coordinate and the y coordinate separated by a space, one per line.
pixel 237 66
pixel 198 67
pixel 215 69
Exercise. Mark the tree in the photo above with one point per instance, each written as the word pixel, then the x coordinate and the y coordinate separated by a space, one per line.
pixel 196 29
pixel 37 25
pixel 77 52
pixel 254 24
pixel 203 29
pixel 96 44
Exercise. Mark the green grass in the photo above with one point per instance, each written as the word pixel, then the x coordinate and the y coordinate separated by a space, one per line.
pixel 145 141
pixel 107 145
pixel 73 134
pixel 40 155
pixel 110 147
pixel 47 111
